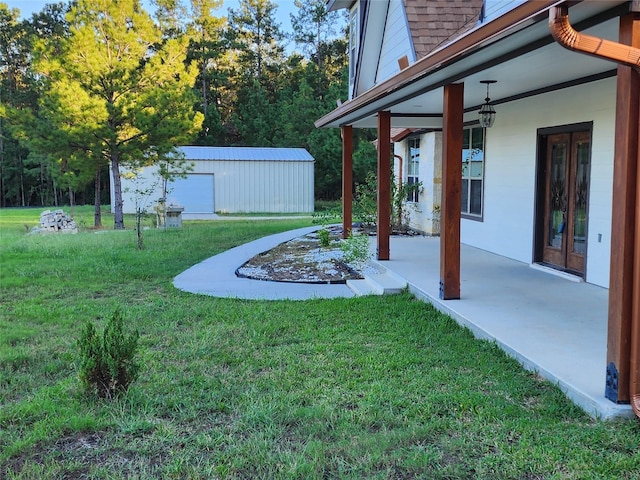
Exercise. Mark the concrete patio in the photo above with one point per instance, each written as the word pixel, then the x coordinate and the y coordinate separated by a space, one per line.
pixel 550 322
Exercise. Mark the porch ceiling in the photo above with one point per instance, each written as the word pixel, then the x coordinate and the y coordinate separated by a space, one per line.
pixel 523 58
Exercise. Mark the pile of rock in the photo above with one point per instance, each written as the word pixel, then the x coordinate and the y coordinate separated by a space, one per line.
pixel 56 222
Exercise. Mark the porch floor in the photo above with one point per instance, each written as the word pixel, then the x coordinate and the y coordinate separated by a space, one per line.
pixel 551 323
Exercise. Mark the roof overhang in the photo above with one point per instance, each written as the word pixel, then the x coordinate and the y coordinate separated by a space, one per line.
pixel 333 5
pixel 516 49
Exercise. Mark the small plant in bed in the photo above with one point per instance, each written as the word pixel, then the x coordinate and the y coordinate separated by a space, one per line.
pixel 324 237
pixel 355 249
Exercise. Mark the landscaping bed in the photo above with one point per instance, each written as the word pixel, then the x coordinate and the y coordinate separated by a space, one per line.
pixel 303 260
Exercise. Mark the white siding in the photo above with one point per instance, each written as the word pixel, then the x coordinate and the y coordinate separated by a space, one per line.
pixel 510 173
pixel 141 191
pixel 372 44
pixel 273 187
pixel 395 43
pixel 495 8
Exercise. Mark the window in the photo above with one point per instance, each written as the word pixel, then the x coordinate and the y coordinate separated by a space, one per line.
pixel 353 44
pixel 413 167
pixel 472 171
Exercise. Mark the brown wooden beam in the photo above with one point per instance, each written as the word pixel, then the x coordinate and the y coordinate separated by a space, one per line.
pixel 347 180
pixel 450 206
pixel 384 184
pixel 623 248
pixel 634 357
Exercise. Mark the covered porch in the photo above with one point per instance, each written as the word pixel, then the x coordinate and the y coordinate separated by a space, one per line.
pixel 552 324
pixel 534 51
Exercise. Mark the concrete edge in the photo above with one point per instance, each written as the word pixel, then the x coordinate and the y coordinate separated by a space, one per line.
pixel 595 409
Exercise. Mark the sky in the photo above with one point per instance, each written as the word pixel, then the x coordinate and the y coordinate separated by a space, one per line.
pixel 285 7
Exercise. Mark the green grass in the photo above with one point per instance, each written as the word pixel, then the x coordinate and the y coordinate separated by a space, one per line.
pixel 368 387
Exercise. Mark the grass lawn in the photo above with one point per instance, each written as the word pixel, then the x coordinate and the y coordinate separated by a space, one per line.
pixel 371 387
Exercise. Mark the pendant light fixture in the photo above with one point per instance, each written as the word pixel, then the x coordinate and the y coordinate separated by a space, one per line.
pixel 487 112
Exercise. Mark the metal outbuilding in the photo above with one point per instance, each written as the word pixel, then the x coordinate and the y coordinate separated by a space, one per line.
pixel 232 180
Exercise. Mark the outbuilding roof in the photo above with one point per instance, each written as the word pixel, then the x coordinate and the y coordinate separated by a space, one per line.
pixel 246 154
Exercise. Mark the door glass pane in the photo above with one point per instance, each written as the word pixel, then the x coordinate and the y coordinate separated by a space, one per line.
pixel 557 201
pixel 580 206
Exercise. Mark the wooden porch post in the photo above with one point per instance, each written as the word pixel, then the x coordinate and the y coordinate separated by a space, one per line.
pixel 624 252
pixel 347 180
pixel 452 127
pixel 384 184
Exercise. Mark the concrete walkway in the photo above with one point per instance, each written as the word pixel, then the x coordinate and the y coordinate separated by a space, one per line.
pixel 550 323
pixel 216 276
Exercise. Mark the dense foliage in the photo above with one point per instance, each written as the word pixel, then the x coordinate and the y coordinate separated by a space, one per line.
pixel 85 85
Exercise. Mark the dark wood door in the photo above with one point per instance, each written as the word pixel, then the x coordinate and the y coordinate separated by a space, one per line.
pixel 565 206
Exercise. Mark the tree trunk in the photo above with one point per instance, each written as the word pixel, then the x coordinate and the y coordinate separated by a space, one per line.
pixel 22 198
pixel 72 200
pixel 55 193
pixel 97 213
pixel 118 217
pixel 43 185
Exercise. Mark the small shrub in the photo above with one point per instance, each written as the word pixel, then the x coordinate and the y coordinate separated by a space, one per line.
pixel 324 238
pixel 327 215
pixel 365 206
pixel 400 204
pixel 365 203
pixel 355 249
pixel 107 365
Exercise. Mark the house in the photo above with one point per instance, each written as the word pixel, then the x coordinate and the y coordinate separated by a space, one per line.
pixel 549 180
pixel 230 180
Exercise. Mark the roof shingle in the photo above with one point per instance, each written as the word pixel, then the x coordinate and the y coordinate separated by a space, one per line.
pixel 437 22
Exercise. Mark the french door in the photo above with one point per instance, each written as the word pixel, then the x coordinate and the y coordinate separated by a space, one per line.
pixel 566 188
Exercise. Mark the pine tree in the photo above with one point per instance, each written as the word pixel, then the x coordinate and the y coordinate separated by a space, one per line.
pixel 118 91
pixel 258 36
pixel 208 48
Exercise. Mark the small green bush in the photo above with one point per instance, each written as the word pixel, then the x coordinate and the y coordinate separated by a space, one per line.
pixel 324 237
pixel 365 201
pixel 355 249
pixel 107 365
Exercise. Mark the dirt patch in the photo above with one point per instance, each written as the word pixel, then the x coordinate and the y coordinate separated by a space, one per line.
pixel 303 260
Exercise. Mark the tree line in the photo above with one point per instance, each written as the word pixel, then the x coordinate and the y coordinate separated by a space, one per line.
pixel 89 87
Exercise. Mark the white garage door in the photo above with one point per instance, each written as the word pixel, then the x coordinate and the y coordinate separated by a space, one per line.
pixel 194 193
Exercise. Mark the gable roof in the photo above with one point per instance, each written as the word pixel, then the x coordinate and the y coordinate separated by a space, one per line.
pixel 437 22
pixel 255 154
pixel 502 49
